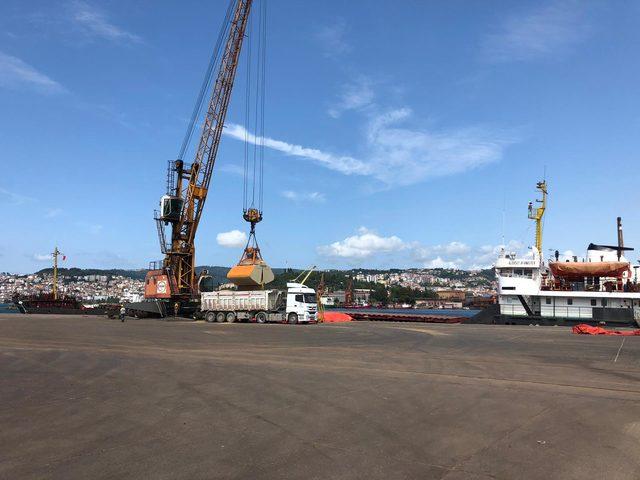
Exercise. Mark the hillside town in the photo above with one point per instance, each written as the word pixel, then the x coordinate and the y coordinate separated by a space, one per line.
pixel 88 288
pixel 417 288
pixel 479 282
pixel 429 288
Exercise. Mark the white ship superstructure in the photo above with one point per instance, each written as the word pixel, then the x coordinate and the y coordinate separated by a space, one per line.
pixel 601 287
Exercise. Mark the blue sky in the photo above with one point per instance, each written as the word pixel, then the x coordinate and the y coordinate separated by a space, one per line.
pixel 399 134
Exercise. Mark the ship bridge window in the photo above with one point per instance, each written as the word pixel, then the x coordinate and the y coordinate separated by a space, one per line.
pixel 569 301
pixel 594 302
pixel 547 301
pixel 518 272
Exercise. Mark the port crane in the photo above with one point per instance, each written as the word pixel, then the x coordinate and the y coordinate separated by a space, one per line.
pixel 173 282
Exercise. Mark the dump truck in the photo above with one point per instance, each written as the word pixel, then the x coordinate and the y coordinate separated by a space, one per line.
pixel 298 304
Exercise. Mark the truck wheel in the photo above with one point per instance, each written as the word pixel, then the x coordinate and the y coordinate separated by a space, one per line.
pixel 261 317
pixel 220 317
pixel 231 317
pixel 292 318
pixel 211 317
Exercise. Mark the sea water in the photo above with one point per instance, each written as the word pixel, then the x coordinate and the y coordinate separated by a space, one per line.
pixel 8 308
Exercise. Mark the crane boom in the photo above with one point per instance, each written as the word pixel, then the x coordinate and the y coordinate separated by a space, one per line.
pixel 183 205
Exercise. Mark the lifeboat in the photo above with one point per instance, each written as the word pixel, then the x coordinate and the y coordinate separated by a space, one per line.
pixel 251 272
pixel 580 270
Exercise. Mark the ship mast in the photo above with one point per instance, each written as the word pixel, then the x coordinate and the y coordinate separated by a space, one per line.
pixel 55 255
pixel 537 213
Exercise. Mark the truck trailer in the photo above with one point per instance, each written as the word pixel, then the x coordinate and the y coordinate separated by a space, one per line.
pixel 298 304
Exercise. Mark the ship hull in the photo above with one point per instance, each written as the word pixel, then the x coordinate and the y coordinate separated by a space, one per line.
pixel 45 304
pixel 63 311
pixel 615 317
pixel 25 307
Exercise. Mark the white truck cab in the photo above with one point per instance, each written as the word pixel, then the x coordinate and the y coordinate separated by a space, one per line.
pixel 301 303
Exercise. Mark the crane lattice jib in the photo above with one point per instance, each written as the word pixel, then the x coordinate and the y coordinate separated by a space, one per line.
pixel 182 247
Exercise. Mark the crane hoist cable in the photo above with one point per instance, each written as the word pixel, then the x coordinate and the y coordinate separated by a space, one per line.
pixel 252 272
pixel 255 94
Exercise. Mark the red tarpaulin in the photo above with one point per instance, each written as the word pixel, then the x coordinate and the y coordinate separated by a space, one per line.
pixel 589 330
pixel 335 317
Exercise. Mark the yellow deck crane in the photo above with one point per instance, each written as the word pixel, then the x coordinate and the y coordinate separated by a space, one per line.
pixel 537 213
pixel 171 284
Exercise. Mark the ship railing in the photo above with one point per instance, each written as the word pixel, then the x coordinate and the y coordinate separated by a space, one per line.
pixel 559 311
pixel 578 287
pixel 156 265
pixel 164 247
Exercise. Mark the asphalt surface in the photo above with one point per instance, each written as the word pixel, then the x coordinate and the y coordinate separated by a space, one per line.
pixel 84 397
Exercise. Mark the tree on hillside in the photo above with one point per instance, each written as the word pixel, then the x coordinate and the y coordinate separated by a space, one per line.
pixel 379 295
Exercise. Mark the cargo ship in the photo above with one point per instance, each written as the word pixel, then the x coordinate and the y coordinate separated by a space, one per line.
pixel 62 305
pixel 54 303
pixel 601 288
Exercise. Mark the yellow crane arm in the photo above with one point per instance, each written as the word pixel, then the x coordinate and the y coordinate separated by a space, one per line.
pixel 308 273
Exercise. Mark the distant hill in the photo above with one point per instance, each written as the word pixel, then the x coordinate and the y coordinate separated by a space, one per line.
pixel 81 272
pixel 334 279
pixel 218 273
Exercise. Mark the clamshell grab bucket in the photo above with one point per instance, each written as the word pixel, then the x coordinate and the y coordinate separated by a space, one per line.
pixel 251 272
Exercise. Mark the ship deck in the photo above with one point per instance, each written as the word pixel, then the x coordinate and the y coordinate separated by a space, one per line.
pixel 89 397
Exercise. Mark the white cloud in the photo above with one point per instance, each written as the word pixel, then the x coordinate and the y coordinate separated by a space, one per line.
pixel 232 239
pixel 460 255
pixel 15 73
pixel 404 156
pixel 487 254
pixel 41 257
pixel 438 262
pixel 369 247
pixel 53 212
pixel 546 31
pixel 92 228
pixel 344 164
pixel 354 96
pixel 94 22
pixel 363 245
pixel 397 155
pixel 303 196
pixel 449 249
pixel 232 168
pixel 12 198
pixel 332 38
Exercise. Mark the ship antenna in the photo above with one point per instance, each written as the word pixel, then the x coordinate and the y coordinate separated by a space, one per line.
pixel 504 214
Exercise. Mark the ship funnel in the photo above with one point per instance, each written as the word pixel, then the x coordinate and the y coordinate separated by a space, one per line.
pixel 620 238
